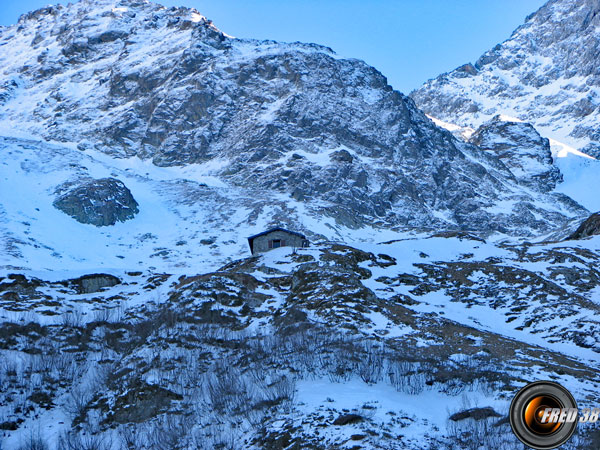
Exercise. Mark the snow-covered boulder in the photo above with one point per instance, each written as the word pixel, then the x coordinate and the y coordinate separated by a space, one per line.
pixel 100 202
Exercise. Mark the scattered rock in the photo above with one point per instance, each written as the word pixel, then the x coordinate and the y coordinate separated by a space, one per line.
pixel 458 234
pixel 475 414
pixel 348 419
pixel 341 156
pixel 142 401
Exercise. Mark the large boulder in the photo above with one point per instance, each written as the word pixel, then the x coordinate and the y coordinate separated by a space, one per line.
pixel 99 202
pixel 88 284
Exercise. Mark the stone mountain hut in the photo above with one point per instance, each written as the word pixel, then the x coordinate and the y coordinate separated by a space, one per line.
pixel 275 238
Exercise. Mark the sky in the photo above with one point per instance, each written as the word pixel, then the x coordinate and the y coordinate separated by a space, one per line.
pixel 409 41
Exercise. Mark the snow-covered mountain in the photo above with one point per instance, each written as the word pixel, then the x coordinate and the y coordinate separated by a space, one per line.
pixel 140 146
pixel 215 137
pixel 546 73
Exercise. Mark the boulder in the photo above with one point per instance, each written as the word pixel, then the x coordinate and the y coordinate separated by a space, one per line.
pixel 99 202
pixel 88 284
pixel 475 414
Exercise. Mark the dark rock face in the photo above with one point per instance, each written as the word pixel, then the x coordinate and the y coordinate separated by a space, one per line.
pixel 291 119
pixel 589 227
pixel 522 150
pixel 475 414
pixel 346 419
pixel 141 401
pixel 101 202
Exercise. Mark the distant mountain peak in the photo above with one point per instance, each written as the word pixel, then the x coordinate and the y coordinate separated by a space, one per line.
pixel 546 73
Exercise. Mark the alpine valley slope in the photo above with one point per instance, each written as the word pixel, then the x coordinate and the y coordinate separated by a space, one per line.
pixel 133 318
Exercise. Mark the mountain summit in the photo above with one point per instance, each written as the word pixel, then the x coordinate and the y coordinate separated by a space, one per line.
pixel 546 73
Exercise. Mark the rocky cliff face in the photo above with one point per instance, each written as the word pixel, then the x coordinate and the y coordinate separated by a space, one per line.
pixel 589 227
pixel 134 79
pixel 546 73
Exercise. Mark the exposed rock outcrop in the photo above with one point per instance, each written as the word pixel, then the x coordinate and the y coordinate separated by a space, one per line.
pixel 521 149
pixel 546 73
pixel 88 284
pixel 589 227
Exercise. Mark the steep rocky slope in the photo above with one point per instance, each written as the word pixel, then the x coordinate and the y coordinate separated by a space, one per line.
pixel 135 80
pixel 589 227
pixel 328 347
pixel 521 148
pixel 546 73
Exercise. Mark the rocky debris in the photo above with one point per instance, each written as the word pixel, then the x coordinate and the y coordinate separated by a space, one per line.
pixel 475 414
pixel 141 401
pixel 589 227
pixel 348 419
pixel 521 148
pixel 341 156
pixel 458 234
pixel 7 90
pixel 99 202
pixel 546 73
pixel 15 287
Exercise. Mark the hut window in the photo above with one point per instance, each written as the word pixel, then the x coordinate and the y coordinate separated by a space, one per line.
pixel 275 243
